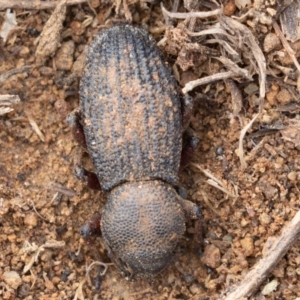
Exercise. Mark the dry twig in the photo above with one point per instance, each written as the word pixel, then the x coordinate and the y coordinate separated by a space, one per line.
pixel 261 270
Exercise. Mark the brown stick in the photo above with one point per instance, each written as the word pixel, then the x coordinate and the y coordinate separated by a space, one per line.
pixel 33 4
pixel 261 270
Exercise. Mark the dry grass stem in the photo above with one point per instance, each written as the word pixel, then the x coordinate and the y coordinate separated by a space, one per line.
pixel 221 188
pixel 34 208
pixel 35 127
pixel 236 96
pixel 214 181
pixel 262 269
pixel 55 186
pixel 286 45
pixel 34 4
pixel 226 47
pixel 194 14
pixel 242 135
pixel 207 173
pixel 250 42
pixel 208 204
pixel 208 79
pixel 229 64
pixel 215 30
pixel 28 248
pixel 97 263
pixel 79 291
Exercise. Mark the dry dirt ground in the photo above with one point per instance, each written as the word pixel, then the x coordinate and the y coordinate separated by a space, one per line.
pixel 43 206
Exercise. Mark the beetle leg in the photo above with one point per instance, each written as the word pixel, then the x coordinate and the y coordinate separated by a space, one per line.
pixel 88 231
pixel 91 227
pixel 73 120
pixel 90 178
pixel 190 144
pixel 193 212
pixel 182 192
pixel 187 104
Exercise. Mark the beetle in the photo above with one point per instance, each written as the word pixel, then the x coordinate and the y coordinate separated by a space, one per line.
pixel 131 120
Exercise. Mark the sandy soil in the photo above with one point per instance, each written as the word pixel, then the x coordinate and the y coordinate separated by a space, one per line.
pixel 43 206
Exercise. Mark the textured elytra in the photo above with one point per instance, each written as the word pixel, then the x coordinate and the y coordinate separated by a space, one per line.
pixel 130 109
pixel 141 225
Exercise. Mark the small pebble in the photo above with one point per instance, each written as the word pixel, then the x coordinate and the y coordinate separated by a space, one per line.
pixel 211 256
pixel 12 279
pixel 271 42
pixel 292 176
pixel 30 220
pixel 219 150
pixel 195 289
pixel 284 97
pixel 265 219
pixel 247 245
pixel 64 58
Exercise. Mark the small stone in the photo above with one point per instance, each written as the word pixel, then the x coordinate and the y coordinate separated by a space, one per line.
pixel 265 219
pixel 30 220
pixel 265 19
pixel 244 222
pixel 171 278
pixel 24 51
pixel 196 289
pixel 292 176
pixel 271 11
pixel 271 97
pixel 229 8
pixel 12 279
pixel 284 97
pixel 271 42
pixel 270 287
pixel 211 256
pixel 64 57
pixel 251 88
pixel 77 27
pixel 290 271
pixel 95 3
pixel 247 245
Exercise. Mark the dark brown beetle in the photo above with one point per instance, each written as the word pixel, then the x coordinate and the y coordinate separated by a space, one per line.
pixel 132 118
